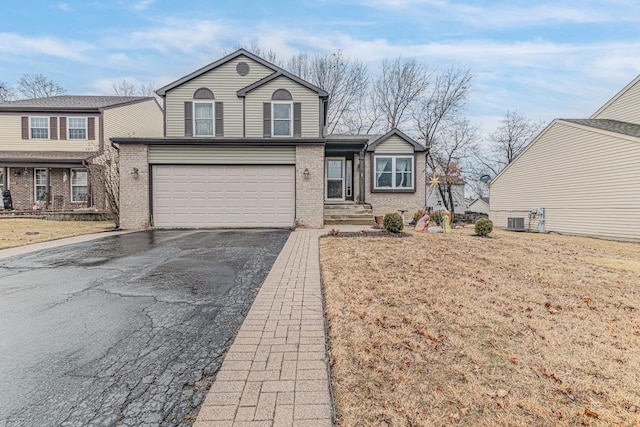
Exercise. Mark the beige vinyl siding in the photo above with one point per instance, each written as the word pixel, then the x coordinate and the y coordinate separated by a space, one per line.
pixel 588 183
pixel 141 119
pixel 257 97
pixel 394 145
pixel 222 155
pixel 224 81
pixel 11 136
pixel 623 107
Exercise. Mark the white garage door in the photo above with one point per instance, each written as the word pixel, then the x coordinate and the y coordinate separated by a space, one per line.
pixel 223 196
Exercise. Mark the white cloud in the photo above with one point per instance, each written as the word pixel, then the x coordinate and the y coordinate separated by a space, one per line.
pixel 64 6
pixel 19 45
pixel 506 14
pixel 173 35
pixel 143 4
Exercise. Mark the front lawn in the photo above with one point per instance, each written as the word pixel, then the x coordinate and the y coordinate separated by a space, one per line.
pixel 24 231
pixel 513 330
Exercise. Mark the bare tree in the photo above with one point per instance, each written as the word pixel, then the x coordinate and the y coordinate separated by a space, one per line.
pixel 7 93
pixel 363 117
pixel 513 135
pixel 442 105
pixel 39 86
pixel 255 48
pixel 123 87
pixel 104 170
pixel 400 84
pixel 456 144
pixel 343 78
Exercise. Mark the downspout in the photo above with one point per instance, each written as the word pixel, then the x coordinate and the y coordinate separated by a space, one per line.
pixel 361 177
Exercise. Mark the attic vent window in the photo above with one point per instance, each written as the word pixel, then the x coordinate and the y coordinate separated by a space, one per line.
pixel 281 95
pixel 242 68
pixel 203 93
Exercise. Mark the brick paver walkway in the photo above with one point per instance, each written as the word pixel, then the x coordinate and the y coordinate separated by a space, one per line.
pixel 275 373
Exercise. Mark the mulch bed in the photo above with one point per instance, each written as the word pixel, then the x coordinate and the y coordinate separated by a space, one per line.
pixel 365 233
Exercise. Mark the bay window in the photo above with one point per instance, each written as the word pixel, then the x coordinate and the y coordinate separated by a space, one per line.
pixel 393 173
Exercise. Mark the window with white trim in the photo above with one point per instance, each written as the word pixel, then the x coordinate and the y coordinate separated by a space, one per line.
pixel 203 119
pixel 76 128
pixel 282 114
pixel 393 173
pixel 40 184
pixel 39 127
pixel 78 185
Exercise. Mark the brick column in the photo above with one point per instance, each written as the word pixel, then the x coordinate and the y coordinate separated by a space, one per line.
pixel 134 192
pixel 310 191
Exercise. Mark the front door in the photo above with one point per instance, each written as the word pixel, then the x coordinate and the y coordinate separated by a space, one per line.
pixel 334 182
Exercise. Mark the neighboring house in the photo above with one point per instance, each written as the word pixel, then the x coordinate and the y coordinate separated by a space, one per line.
pixel 434 199
pixel 45 144
pixel 578 176
pixel 245 146
pixel 479 205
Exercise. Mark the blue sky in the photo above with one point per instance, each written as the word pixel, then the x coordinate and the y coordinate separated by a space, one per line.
pixel 546 58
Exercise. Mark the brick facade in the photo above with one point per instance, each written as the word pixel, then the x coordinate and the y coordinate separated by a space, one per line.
pixel 384 203
pixel 22 189
pixel 134 192
pixel 310 191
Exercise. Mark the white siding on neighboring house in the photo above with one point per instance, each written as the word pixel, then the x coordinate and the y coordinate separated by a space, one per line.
pixel 434 199
pixel 224 81
pixel 625 106
pixel 11 135
pixel 257 97
pixel 140 120
pixel 587 181
pixel 479 206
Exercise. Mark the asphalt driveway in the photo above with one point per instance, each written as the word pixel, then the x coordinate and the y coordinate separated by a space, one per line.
pixel 124 330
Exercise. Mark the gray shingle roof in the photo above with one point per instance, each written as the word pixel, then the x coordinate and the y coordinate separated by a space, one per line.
pixel 616 126
pixel 71 101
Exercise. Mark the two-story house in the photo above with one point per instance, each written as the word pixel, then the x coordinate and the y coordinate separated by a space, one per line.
pixel 245 145
pixel 578 176
pixel 46 143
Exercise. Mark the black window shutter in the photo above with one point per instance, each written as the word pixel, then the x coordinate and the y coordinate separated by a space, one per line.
pixel 266 115
pixel 297 119
pixel 25 127
pixel 91 131
pixel 63 128
pixel 53 126
pixel 219 119
pixel 188 118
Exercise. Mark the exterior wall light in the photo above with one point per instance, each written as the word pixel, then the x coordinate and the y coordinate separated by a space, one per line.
pixel 306 173
pixel 134 173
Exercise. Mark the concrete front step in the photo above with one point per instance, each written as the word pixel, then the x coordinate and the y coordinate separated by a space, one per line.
pixel 369 222
pixel 348 214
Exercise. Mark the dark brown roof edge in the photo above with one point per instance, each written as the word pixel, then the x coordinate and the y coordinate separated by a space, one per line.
pixel 220 142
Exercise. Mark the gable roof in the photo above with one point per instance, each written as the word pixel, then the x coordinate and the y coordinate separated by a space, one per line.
pixel 242 52
pixel 616 97
pixel 624 128
pixel 270 77
pixel 70 102
pixel 481 200
pixel 417 147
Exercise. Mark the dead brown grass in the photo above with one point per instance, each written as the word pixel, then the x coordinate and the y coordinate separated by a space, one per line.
pixel 23 231
pixel 513 330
